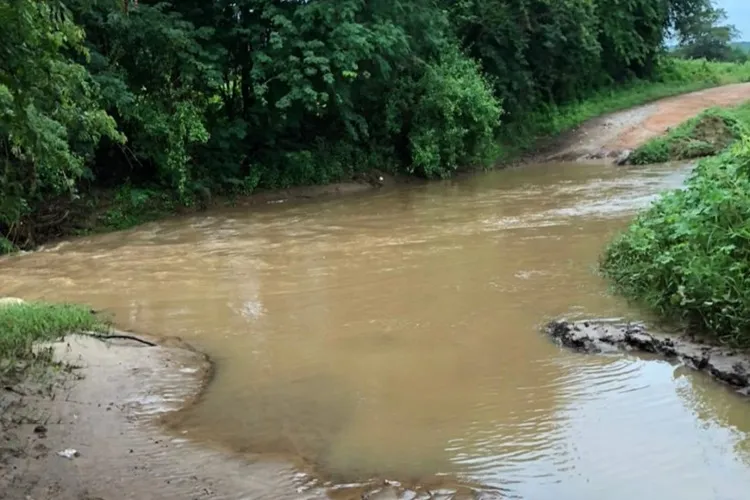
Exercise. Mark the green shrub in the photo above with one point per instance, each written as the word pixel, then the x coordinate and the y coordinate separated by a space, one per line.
pixel 454 122
pixel 6 246
pixel 688 257
pixel 131 206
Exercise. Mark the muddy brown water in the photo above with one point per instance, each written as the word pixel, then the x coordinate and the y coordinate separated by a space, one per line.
pixel 395 335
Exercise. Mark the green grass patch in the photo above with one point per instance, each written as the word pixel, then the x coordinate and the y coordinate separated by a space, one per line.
pixel 21 325
pixel 707 134
pixel 687 258
pixel 676 77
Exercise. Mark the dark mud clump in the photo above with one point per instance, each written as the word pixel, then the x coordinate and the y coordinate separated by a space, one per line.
pixel 727 365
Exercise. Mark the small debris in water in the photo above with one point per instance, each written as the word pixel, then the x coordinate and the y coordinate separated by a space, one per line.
pixel 69 453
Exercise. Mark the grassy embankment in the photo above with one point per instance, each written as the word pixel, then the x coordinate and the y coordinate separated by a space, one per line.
pixel 24 324
pixel 687 257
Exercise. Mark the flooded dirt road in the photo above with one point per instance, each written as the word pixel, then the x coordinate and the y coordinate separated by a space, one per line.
pixel 396 336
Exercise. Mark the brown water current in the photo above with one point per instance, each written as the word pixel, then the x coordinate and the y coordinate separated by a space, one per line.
pixel 395 335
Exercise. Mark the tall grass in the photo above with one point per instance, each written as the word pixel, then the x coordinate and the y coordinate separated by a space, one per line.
pixel 21 325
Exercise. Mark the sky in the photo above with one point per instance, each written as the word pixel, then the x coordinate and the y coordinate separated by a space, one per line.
pixel 738 13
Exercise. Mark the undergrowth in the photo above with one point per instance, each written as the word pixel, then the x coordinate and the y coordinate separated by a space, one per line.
pixel 707 134
pixel 687 258
pixel 21 325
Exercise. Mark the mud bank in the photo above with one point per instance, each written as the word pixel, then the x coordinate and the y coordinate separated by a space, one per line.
pixel 726 365
pixel 108 408
pixel 362 183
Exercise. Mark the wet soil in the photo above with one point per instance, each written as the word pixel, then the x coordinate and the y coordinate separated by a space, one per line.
pixel 360 184
pixel 107 409
pixel 727 365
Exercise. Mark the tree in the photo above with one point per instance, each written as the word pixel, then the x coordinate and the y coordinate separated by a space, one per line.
pixel 50 118
pixel 705 35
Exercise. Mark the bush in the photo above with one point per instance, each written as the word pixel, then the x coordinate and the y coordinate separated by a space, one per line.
pixel 688 257
pixel 131 206
pixel 455 119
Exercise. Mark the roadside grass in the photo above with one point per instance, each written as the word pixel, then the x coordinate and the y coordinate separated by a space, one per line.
pixel 24 324
pixel 707 134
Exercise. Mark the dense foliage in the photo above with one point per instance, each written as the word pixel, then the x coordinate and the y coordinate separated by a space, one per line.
pixel 707 134
pixel 50 116
pixel 688 257
pixel 199 97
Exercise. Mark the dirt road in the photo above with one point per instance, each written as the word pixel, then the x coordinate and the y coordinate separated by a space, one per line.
pixel 610 136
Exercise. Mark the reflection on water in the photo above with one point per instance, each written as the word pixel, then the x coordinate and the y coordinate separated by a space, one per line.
pixel 395 335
